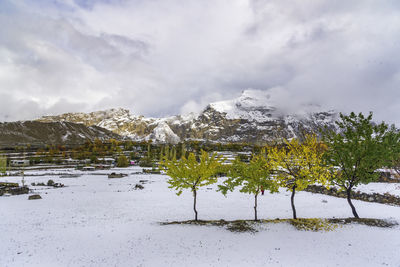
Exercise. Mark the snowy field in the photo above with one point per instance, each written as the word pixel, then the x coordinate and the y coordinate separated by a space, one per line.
pixel 96 221
pixel 380 188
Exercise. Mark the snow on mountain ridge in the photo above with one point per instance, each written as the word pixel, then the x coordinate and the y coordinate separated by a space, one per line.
pixel 163 133
pixel 254 116
pixel 263 106
pixel 249 98
pixel 252 105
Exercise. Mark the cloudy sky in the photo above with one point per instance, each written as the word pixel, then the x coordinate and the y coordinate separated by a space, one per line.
pixel 164 57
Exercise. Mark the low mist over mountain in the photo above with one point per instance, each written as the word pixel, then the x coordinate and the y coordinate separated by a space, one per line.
pixel 253 117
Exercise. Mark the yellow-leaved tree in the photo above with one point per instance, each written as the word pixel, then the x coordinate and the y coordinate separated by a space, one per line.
pixel 252 177
pixel 299 164
pixel 3 165
pixel 190 173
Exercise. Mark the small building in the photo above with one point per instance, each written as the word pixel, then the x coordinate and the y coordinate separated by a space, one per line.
pixel 19 162
pixel 85 161
pixel 71 161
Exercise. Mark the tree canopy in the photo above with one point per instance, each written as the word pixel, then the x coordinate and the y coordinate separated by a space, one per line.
pixel 252 177
pixel 299 165
pixel 3 164
pixel 190 173
pixel 358 149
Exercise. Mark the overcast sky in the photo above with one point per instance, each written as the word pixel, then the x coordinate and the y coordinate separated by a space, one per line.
pixel 165 57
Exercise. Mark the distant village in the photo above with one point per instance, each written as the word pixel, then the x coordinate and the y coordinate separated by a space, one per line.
pixel 93 155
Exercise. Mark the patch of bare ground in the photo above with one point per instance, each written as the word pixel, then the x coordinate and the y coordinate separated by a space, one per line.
pixel 305 224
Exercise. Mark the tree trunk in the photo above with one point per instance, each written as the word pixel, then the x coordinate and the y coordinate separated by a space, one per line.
pixel 292 202
pixel 255 207
pixel 353 209
pixel 194 203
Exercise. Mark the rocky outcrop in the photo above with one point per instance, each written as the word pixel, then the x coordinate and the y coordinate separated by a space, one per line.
pixel 12 189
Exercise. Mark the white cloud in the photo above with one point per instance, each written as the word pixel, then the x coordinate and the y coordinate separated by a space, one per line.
pixel 164 57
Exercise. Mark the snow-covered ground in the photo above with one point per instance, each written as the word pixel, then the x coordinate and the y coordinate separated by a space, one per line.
pixel 380 188
pixel 96 221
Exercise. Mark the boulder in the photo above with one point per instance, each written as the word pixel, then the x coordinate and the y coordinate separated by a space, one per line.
pixel 32 197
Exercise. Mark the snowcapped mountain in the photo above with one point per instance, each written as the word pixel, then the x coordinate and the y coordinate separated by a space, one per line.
pixel 121 122
pixel 252 105
pixel 254 117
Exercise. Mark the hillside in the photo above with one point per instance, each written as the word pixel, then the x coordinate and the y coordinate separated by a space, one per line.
pixel 252 117
pixel 35 132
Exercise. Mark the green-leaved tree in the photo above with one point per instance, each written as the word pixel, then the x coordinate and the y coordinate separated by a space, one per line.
pixel 392 141
pixel 190 173
pixel 122 161
pixel 358 149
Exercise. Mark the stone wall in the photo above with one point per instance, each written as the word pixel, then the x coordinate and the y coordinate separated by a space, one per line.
pixel 374 197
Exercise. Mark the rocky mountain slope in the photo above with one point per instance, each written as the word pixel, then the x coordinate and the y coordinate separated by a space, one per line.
pixel 252 117
pixel 40 133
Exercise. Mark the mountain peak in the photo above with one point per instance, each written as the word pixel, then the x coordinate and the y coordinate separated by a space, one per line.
pixel 252 105
pixel 256 116
pixel 112 112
